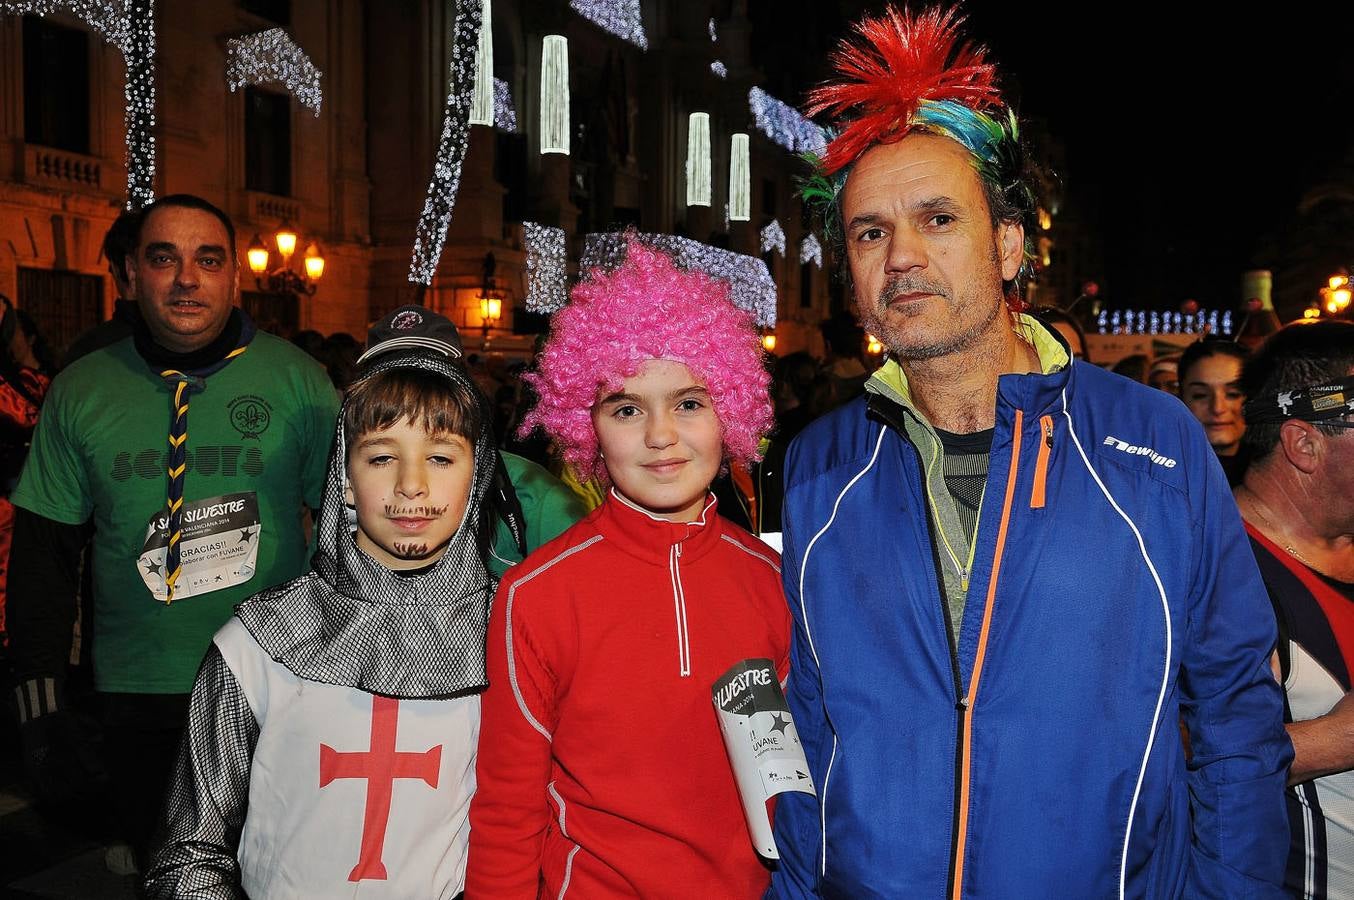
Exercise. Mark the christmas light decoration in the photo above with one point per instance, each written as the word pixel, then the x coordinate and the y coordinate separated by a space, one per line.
pixel 698 159
pixel 482 108
pixel 129 25
pixel 773 238
pixel 714 31
pixel 555 94
pixel 619 17
pixel 751 285
pixel 547 267
pixel 719 69
pixel 272 57
pixel 1130 321
pixel 810 250
pixel 441 199
pixel 740 180
pixel 783 124
pixel 505 114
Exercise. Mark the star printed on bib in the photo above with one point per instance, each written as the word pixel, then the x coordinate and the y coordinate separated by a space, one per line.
pixel 779 723
pixel 153 568
pixel 246 534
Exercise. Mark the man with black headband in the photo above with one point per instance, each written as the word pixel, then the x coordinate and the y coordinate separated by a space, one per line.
pixel 1298 503
pixel 189 449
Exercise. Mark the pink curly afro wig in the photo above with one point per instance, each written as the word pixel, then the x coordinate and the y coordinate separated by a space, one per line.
pixel 647 309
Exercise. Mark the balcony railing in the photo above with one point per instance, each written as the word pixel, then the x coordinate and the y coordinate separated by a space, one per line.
pixel 61 167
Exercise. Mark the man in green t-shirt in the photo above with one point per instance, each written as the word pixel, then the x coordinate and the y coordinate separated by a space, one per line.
pixel 189 449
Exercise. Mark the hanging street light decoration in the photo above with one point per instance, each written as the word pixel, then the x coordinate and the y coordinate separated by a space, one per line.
pixel 698 159
pixel 619 17
pixel 446 180
pixel 547 267
pixel 482 109
pixel 773 238
pixel 740 179
pixel 128 25
pixel 555 94
pixel 281 279
pixel 505 114
pixel 750 283
pixel 810 250
pixel 783 124
pixel 272 57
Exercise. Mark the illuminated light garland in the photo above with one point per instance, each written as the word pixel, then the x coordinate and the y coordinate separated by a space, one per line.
pixel 810 250
pixel 505 114
pixel 1128 321
pixel 555 94
pixel 547 267
pixel 773 238
pixel 714 30
pixel 272 57
pixel 698 159
pixel 482 108
pixel 619 17
pixel 740 180
pixel 446 180
pixel 783 123
pixel 719 69
pixel 128 25
pixel 750 282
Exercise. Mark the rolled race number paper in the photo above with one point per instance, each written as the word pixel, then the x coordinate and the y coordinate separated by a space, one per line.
pixel 762 743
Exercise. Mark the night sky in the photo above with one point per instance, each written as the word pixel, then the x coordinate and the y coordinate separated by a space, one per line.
pixel 1189 139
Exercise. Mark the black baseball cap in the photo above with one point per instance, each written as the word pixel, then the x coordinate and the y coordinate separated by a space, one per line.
pixel 413 327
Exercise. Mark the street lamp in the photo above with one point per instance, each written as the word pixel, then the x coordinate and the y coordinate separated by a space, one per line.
pixel 491 298
pixel 282 280
pixel 769 341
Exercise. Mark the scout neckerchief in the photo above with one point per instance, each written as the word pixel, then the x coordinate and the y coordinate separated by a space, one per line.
pixel 186 374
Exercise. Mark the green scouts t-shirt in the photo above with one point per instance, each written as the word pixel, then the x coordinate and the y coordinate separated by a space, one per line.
pixel 549 508
pixel 258 445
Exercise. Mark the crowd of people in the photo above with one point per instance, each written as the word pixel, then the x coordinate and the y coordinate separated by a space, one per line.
pixel 382 616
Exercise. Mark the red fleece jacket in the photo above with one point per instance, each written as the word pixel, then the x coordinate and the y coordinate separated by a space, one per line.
pixel 601 769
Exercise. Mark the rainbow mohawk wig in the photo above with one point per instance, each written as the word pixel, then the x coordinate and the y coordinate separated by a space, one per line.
pixel 903 62
pixel 648 308
pixel 909 73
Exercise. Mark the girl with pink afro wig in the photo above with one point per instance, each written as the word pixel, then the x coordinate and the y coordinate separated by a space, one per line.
pixel 647 309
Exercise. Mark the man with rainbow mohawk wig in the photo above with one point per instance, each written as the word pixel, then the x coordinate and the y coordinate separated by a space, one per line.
pixel 1013 576
pixel 608 776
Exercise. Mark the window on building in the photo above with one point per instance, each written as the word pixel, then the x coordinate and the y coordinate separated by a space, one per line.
pixel 267 142
pixel 806 285
pixel 769 196
pixel 56 85
pixel 62 305
pixel 278 11
pixel 277 314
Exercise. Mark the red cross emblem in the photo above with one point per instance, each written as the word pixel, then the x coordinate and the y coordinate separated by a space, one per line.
pixel 380 765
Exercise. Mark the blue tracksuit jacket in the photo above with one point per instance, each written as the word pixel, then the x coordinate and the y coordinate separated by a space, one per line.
pixel 1113 595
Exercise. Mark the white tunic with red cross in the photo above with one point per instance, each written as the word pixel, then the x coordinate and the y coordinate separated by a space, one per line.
pixel 351 794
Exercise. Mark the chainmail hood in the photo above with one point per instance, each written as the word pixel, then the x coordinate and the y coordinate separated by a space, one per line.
pixel 353 622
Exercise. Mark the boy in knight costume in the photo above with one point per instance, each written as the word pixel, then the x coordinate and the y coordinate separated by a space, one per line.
pixel 608 776
pixel 332 731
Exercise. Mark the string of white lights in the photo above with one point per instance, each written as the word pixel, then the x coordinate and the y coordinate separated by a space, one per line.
pixel 547 267
pixel 619 17
pixel 783 124
pixel 482 110
pixel 719 69
pixel 446 180
pixel 810 250
pixel 505 114
pixel 740 179
pixel 272 57
pixel 751 285
pixel 128 25
pixel 1142 321
pixel 698 159
pixel 773 237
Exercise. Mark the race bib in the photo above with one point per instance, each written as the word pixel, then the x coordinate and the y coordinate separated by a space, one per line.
pixel 219 548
